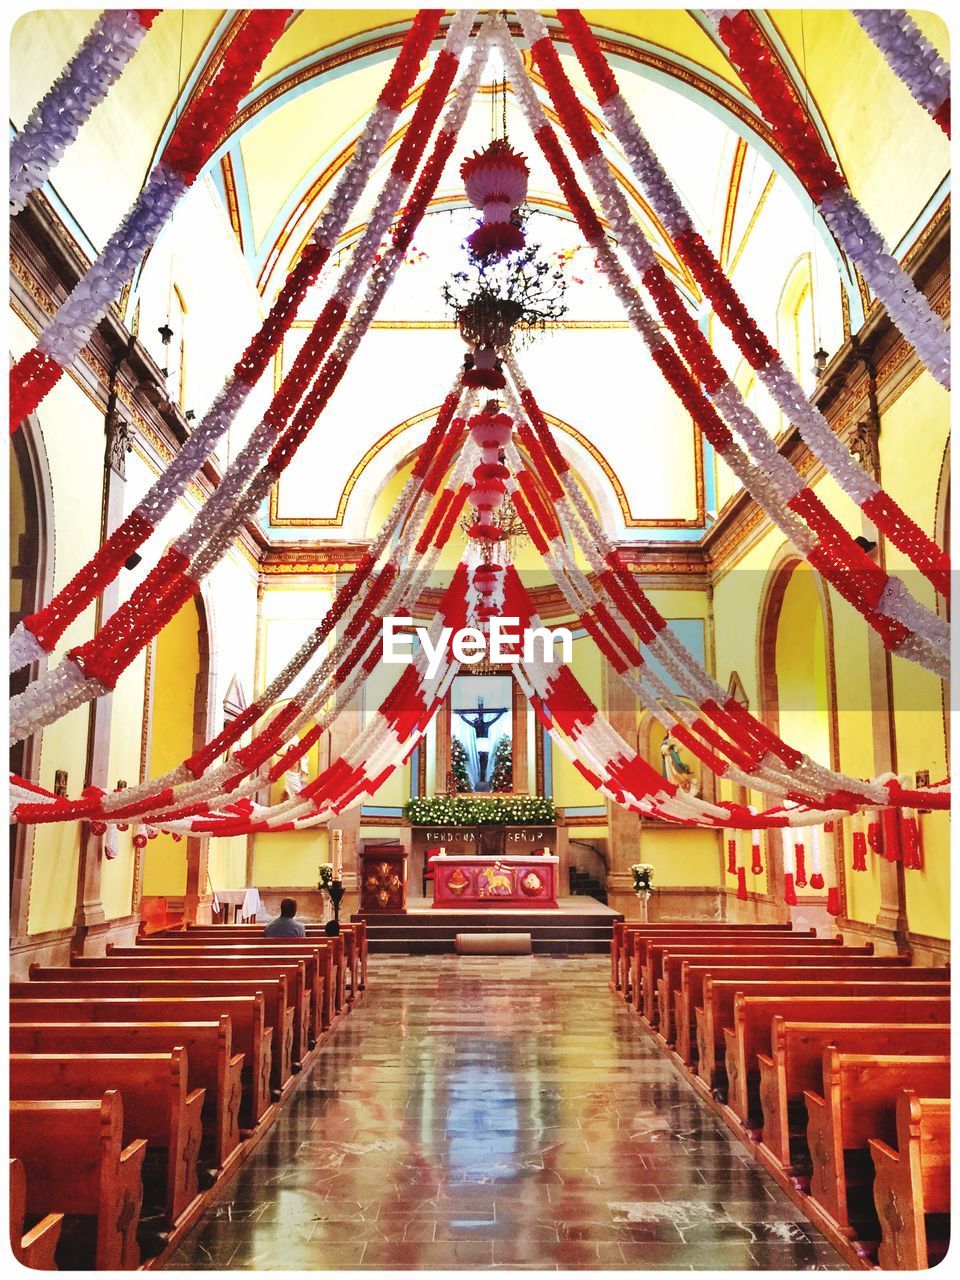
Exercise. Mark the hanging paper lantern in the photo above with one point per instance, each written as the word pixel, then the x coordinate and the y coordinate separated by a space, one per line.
pixel 496 183
pixel 833 900
pixel 98 827
pixel 491 430
pixel 485 371
pixel 139 840
pixel 789 892
pixel 742 884
pixel 486 531
pixel 489 487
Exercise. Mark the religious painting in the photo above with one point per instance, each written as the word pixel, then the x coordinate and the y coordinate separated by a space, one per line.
pixel 481 733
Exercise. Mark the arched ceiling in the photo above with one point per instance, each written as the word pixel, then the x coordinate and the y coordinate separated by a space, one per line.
pixel 275 170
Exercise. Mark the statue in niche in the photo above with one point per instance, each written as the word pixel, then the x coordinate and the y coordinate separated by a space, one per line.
pixel 675 770
pixel 295 778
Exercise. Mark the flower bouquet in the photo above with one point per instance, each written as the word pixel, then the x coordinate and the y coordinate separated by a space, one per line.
pixel 642 873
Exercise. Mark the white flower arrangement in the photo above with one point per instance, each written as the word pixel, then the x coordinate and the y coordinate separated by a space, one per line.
pixel 642 873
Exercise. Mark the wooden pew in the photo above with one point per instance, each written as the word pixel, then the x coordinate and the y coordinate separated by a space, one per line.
pixel 911 1188
pixel 158 1105
pixel 318 962
pixel 353 936
pixel 644 971
pixel 75 1162
pixel 693 971
pixel 212 1065
pixel 796 1064
pixel 720 990
pixel 34 1248
pixel 318 969
pixel 753 1024
pixel 122 968
pixel 636 938
pixel 251 1035
pixel 278 1012
pixel 859 1102
pixel 676 997
pixel 262 947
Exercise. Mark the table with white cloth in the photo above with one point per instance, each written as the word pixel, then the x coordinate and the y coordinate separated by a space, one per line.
pixel 247 903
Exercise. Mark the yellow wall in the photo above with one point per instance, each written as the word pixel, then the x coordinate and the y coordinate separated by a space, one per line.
pixel 176 665
pixel 289 858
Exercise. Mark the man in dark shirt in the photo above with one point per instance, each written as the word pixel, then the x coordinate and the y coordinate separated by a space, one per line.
pixel 285 926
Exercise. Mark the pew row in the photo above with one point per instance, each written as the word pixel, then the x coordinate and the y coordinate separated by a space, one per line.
pixel 637 941
pixel 122 969
pixel 256 949
pixel 212 1064
pixel 278 1012
pixel 73 1158
pixel 158 1106
pixel 680 985
pixel 796 1065
pixel 911 1189
pixel 353 936
pixel 858 1104
pixel 319 974
pixel 720 989
pixel 34 1248
pixel 251 1036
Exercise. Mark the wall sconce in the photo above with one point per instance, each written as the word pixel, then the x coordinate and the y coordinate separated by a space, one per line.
pixel 820 358
pixel 132 560
pixel 60 779
pixel 865 544
pixel 166 337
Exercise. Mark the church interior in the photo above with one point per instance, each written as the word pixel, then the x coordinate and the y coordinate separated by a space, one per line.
pixel 479 494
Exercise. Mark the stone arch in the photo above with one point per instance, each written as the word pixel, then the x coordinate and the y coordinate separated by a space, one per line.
pixel 780 577
pixel 31 585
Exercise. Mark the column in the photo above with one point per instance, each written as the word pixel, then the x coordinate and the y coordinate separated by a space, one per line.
pixel 89 914
pixel 623 827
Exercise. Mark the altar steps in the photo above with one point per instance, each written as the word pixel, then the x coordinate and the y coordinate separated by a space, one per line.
pixel 421 933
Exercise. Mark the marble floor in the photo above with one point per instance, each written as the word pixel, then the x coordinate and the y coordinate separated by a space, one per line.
pixel 482 1112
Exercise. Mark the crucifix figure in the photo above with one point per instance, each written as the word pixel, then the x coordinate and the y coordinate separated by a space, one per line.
pixel 481 719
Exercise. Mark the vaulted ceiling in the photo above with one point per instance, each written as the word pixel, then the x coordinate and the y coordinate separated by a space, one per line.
pixel 275 170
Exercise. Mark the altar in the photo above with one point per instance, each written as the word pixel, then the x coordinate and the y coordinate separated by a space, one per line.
pixel 508 881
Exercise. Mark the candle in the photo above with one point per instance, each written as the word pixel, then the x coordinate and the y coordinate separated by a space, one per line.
pixel 443 851
pixel 338 854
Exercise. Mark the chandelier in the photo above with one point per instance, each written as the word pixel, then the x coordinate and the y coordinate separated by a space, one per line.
pixel 495 299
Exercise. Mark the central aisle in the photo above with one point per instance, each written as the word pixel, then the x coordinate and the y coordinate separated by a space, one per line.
pixel 487 1111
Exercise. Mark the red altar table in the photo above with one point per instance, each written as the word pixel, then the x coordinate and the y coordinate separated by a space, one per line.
pixel 512 882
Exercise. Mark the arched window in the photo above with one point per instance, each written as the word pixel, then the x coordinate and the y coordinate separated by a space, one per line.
pixel 176 349
pixel 795 322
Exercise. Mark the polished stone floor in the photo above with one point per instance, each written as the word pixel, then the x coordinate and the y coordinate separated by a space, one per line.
pixel 483 1112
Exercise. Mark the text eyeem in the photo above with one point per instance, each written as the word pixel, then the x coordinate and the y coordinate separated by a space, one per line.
pixel 506 643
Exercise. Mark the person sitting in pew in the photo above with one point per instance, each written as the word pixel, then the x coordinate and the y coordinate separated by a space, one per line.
pixel 285 926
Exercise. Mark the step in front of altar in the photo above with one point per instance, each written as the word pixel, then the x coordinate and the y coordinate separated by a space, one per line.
pixel 426 932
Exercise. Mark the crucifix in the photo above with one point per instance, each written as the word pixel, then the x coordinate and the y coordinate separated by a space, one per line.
pixel 481 719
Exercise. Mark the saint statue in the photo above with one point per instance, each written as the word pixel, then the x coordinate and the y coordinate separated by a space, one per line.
pixel 674 769
pixel 294 779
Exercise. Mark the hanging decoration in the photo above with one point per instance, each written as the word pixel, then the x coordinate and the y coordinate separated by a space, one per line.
pixel 196 134
pixel 84 83
pixel 896 617
pixel 751 341
pixel 804 151
pixel 38 633
pixel 94 667
pixel 496 183
pixel 911 56
pixel 474 458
